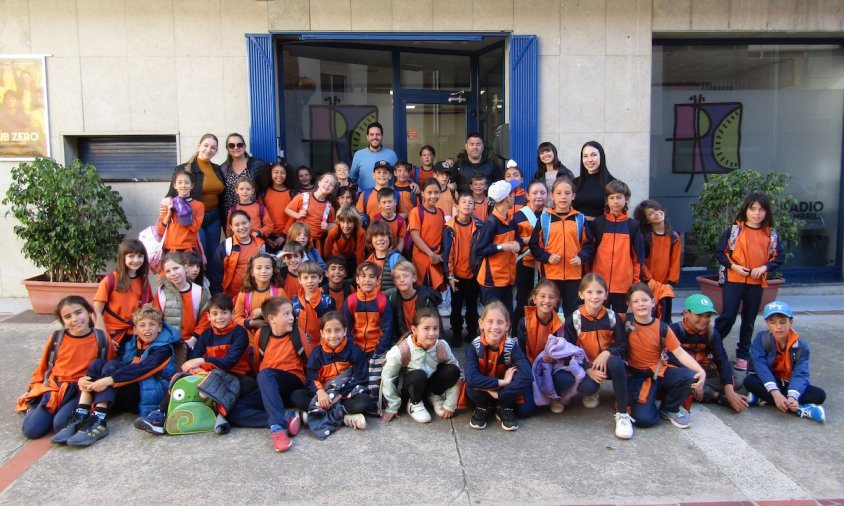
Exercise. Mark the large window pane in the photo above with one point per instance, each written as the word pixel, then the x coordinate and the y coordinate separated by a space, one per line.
pixel 766 107
pixel 330 95
pixel 435 71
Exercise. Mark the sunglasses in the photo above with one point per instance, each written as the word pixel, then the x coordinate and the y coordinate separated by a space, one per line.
pixel 232 145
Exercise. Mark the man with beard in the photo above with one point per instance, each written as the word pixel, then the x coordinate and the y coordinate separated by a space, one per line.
pixel 475 163
pixel 365 159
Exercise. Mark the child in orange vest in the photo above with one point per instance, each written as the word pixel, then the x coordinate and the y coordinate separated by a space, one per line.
pixel 347 239
pixel 181 216
pixel 123 291
pixel 382 242
pixel 261 282
pixel 525 221
pixel 426 224
pixel 314 209
pixel 457 248
pixel 233 254
pixel 276 199
pixel 310 303
pixel 260 219
pixel 661 269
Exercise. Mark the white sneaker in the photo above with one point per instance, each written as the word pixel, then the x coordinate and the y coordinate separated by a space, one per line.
pixel 591 401
pixel 418 412
pixel 444 309
pixel 557 406
pixel 437 401
pixel 623 426
pixel 355 421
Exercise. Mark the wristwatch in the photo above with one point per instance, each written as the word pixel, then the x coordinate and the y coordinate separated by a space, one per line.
pixel 499 247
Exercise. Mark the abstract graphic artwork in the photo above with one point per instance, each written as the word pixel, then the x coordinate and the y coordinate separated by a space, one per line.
pixel 343 126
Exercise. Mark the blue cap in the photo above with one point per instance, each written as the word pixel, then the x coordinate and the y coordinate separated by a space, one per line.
pixel 777 307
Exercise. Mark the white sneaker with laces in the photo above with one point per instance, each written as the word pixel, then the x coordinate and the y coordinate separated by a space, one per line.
pixel 355 421
pixel 557 406
pixel 418 412
pixel 437 401
pixel 591 401
pixel 623 426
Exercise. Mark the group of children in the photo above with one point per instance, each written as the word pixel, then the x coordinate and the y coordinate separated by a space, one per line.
pixel 338 324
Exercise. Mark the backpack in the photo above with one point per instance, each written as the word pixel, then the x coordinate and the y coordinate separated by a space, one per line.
pixel 261 210
pixel 56 341
pixel 598 228
pixel 380 302
pixel 663 332
pixel 295 338
pixel 247 299
pixel 188 412
pixel 647 240
pixel 475 258
pixel 366 193
pixel 768 346
pixel 735 230
pixel 577 319
pixel 111 284
pixel 545 221
pixel 404 352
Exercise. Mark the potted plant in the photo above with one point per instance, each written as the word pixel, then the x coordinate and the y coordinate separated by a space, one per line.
pixel 70 223
pixel 715 211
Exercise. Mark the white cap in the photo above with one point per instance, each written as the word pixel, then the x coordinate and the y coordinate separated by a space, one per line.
pixel 499 190
pixel 512 163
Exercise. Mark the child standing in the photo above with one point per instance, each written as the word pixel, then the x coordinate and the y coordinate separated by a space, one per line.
pixel 407 198
pixel 498 244
pixel 617 245
pixel 310 303
pixel 525 221
pixel 53 393
pixel 407 297
pixel 336 285
pixel 426 229
pixel 181 216
pixel 367 202
pixel 341 172
pixel 559 243
pixel 136 381
pixel 233 254
pixel 748 251
pixel 313 207
pixel 368 315
pixel 305 179
pixel 427 158
pixel 600 333
pixel 336 379
pixel 779 367
pixel 513 173
pixel 397 222
pixel 479 187
pixel 442 174
pixel 347 239
pixel 383 243
pixel 276 199
pixel 345 197
pixel 650 373
pixel 300 233
pixel 292 254
pixel 497 372
pixel 457 248
pixel 261 220
pixel 427 369
pixel 661 269
pixel 281 375
pixel 123 291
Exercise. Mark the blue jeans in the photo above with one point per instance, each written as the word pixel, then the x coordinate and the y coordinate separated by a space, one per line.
pixel 38 420
pixel 209 235
pixel 278 388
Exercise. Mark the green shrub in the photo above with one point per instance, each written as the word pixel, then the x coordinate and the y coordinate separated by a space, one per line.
pixel 70 222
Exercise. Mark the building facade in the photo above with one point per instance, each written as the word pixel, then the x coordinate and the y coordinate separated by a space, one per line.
pixel 673 89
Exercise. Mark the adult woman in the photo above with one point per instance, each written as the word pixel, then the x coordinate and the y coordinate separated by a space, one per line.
pixel 239 162
pixel 589 185
pixel 548 165
pixel 208 188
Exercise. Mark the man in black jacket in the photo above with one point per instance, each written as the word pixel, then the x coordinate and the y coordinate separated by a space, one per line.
pixel 475 163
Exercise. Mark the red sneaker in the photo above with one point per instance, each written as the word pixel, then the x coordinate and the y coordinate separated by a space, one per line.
pixel 280 440
pixel 293 421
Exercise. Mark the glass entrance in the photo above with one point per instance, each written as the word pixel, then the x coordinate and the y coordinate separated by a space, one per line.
pixel 440 125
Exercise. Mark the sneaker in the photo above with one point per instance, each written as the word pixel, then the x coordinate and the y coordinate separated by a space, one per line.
pixel 355 421
pixel 92 430
pixel 507 417
pixel 557 406
pixel 478 420
pixel 437 401
pixel 752 399
pixel 281 442
pixel 418 412
pixel 444 309
pixel 591 401
pixel 76 421
pixel 152 423
pixel 293 421
pixel 740 364
pixel 812 411
pixel 623 426
pixel 679 419
pixel 304 417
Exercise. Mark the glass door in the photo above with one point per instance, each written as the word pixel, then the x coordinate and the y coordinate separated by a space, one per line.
pixel 442 126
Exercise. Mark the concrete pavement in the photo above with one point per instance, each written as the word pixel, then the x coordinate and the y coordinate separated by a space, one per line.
pixel 553 459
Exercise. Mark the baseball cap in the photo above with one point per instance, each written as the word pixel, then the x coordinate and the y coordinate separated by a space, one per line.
pixel 512 163
pixel 777 307
pixel 443 167
pixel 383 164
pixel 699 303
pixel 499 190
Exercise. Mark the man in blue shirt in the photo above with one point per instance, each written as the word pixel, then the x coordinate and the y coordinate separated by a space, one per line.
pixel 365 159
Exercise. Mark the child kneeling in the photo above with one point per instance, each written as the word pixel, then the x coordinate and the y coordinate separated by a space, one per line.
pixel 426 367
pixel 137 380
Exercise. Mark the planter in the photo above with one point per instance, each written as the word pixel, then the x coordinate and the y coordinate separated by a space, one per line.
pixel 44 295
pixel 709 286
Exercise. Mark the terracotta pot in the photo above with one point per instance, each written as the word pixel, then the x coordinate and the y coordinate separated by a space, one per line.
pixel 44 295
pixel 709 286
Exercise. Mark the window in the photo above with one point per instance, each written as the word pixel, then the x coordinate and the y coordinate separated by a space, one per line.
pixel 126 158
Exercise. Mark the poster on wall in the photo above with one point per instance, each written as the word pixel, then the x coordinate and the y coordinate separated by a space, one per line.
pixel 24 127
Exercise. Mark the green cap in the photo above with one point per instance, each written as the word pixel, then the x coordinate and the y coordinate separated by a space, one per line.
pixel 699 303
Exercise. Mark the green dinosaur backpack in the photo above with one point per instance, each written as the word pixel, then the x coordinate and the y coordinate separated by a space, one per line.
pixel 188 412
